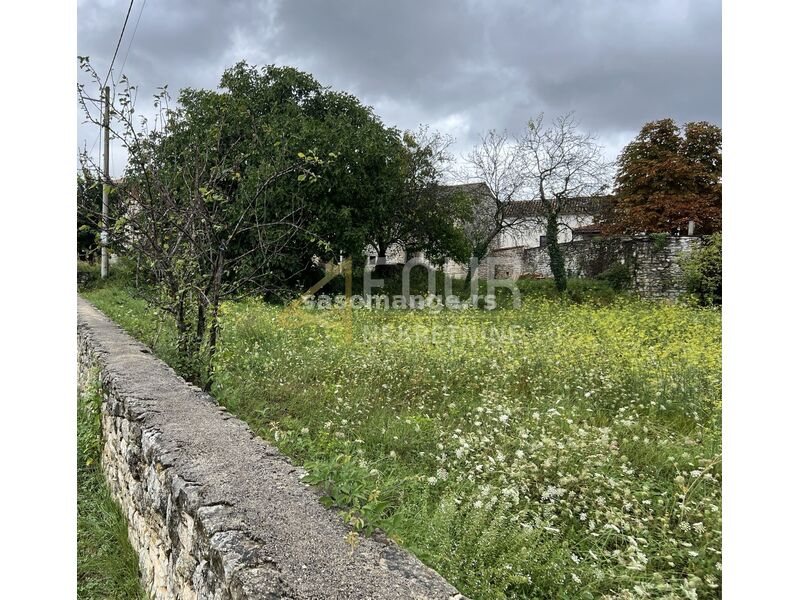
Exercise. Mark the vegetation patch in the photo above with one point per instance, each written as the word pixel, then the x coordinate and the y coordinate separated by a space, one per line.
pixel 562 450
pixel 108 567
pixel 702 272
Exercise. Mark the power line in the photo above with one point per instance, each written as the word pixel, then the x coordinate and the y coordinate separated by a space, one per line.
pixel 119 41
pixel 133 35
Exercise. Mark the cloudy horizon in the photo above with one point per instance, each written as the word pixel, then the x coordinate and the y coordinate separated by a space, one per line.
pixel 461 67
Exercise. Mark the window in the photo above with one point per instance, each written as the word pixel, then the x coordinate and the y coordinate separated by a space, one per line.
pixel 542 240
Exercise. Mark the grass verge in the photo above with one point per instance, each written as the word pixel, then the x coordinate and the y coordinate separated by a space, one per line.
pixel 108 567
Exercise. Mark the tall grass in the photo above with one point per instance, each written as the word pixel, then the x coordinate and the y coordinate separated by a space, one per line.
pixel 561 450
pixel 108 567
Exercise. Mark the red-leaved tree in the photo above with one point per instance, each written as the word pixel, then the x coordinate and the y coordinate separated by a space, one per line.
pixel 668 177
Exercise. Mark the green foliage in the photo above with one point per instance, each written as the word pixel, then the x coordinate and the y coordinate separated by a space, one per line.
pixel 494 558
pixel 121 274
pixel 348 485
pixel 618 276
pixel 88 275
pixel 579 290
pixel 415 212
pixel 108 567
pixel 563 450
pixel 659 240
pixel 89 205
pixel 702 272
pixel 242 190
pixel 554 252
pixel 375 189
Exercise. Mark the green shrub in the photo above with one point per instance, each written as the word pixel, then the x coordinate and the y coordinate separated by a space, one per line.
pixel 618 276
pixel 702 272
pixel 659 241
pixel 347 485
pixel 121 274
pixel 88 274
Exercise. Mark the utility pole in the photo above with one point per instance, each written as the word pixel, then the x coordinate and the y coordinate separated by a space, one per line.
pixel 106 181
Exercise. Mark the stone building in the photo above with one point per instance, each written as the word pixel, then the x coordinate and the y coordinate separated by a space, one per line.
pixel 525 226
pixel 652 261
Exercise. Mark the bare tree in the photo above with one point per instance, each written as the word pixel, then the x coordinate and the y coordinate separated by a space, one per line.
pixel 498 163
pixel 194 208
pixel 561 163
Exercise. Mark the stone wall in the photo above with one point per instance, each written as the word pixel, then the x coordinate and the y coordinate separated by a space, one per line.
pixel 214 512
pixel 505 263
pixel 652 261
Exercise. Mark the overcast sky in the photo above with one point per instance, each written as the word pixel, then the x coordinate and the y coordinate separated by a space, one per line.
pixel 462 66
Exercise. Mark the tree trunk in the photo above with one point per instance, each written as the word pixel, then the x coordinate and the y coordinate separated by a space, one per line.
pixel 554 251
pixel 201 325
pixel 213 331
pixel 213 335
pixel 183 328
pixel 381 270
pixel 479 252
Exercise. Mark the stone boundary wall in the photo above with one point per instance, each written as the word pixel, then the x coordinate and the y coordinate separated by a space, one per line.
pixel 652 261
pixel 213 511
pixel 504 263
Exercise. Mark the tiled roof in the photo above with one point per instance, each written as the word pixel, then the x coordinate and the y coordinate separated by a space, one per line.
pixel 591 228
pixel 473 189
pixel 585 205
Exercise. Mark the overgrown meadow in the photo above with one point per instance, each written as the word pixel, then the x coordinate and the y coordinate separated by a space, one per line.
pixel 559 450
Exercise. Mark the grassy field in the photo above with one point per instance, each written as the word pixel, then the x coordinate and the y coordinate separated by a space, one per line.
pixel 561 450
pixel 108 568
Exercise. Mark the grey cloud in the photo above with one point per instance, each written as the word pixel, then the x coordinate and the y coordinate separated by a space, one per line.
pixel 464 66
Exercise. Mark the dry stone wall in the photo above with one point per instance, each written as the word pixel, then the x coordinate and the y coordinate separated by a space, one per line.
pixel 653 261
pixel 213 511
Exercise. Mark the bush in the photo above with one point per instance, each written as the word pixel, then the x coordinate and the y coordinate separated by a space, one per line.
pixel 122 274
pixel 618 276
pixel 702 272
pixel 88 274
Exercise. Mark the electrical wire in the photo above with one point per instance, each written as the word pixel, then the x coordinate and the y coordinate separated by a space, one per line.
pixel 119 41
pixel 133 35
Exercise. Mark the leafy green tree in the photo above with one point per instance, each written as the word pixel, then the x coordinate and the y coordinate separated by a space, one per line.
pixel 377 186
pixel 89 205
pixel 201 207
pixel 414 212
pixel 246 189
